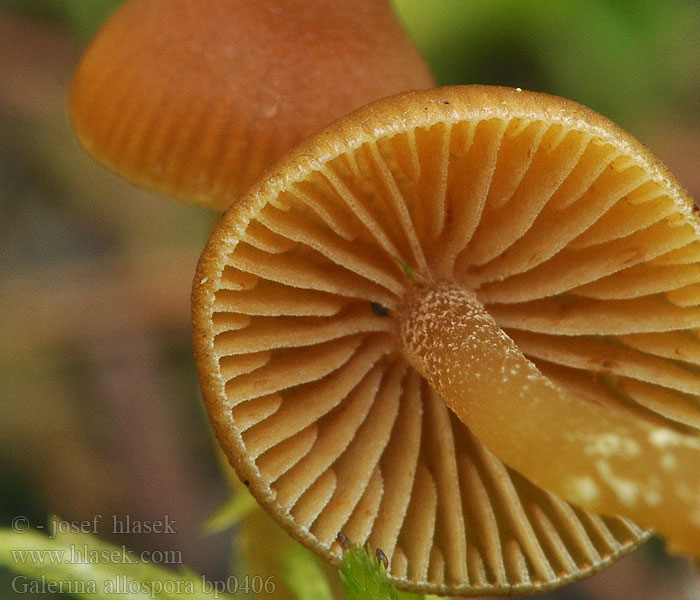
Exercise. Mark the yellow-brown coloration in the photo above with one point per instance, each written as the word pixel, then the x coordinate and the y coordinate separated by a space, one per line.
pixel 321 361
pixel 607 461
pixel 196 99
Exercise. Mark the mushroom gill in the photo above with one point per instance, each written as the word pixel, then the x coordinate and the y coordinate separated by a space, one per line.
pixel 460 324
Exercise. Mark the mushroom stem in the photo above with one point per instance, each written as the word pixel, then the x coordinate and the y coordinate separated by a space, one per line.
pixel 600 459
pixel 450 339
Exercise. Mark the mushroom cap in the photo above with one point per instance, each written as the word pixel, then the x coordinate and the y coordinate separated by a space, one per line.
pixel 583 251
pixel 195 99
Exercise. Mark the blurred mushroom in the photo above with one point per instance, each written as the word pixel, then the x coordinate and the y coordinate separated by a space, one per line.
pixel 195 99
pixel 510 255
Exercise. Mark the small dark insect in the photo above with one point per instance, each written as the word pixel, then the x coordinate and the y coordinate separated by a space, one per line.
pixel 343 540
pixel 607 364
pixel 379 310
pixel 381 557
pixel 246 482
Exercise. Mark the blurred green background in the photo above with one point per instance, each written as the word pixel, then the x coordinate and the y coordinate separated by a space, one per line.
pixel 100 407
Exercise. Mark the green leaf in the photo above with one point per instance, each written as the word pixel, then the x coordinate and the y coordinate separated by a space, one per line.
pixel 84 566
pixel 231 512
pixel 304 576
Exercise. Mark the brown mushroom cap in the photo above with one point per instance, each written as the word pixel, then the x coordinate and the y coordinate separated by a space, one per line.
pixel 513 252
pixel 195 99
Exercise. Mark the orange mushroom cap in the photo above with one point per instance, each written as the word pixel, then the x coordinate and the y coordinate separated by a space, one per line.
pixel 195 99
pixel 451 323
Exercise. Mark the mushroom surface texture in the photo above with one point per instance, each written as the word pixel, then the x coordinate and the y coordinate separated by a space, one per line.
pixel 461 325
pixel 195 99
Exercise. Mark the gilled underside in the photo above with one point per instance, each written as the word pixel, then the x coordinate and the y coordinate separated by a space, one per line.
pixel 350 406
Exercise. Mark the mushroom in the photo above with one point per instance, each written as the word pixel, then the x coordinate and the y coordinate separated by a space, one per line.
pixel 195 99
pixel 461 325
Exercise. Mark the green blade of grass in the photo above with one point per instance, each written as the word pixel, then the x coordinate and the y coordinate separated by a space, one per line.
pixel 364 577
pixel 410 272
pixel 230 513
